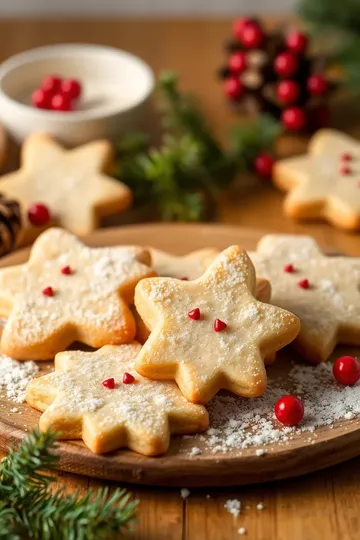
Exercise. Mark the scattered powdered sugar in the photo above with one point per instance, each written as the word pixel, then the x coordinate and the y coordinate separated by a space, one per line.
pixel 260 506
pixel 195 451
pixel 14 377
pixel 242 530
pixel 237 423
pixel 233 506
pixel 184 492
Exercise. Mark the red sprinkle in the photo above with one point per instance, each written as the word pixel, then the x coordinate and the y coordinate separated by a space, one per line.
pixel 346 370
pixel 66 270
pixel 48 291
pixel 345 170
pixel 109 383
pixel 39 215
pixel 289 268
pixel 194 314
pixel 346 156
pixel 289 410
pixel 184 278
pixel 304 284
pixel 219 325
pixel 128 378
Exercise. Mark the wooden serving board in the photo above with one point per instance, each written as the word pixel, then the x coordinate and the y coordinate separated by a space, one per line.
pixel 177 468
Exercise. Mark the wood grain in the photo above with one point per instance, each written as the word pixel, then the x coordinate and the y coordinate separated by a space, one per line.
pixel 324 504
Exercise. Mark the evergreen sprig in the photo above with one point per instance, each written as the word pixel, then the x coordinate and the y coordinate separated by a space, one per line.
pixel 29 508
pixel 182 177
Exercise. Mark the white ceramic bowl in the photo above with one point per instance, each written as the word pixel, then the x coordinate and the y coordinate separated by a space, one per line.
pixel 116 90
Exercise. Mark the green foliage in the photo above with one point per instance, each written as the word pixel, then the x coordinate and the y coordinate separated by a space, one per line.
pixel 29 509
pixel 190 166
pixel 337 24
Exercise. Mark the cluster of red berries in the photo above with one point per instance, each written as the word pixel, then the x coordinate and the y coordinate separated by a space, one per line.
pixel 56 94
pixel 288 71
pixel 289 410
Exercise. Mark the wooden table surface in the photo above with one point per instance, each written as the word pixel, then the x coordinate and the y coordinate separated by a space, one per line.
pixel 323 505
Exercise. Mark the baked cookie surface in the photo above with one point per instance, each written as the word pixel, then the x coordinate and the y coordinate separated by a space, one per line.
pixel 324 292
pixel 211 333
pixel 140 415
pixel 69 292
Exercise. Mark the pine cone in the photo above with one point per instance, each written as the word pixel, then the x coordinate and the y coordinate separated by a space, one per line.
pixel 10 224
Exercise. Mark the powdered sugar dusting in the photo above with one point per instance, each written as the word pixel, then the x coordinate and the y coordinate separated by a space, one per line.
pixel 14 377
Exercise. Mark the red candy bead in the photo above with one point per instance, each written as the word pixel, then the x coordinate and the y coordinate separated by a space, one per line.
pixel 41 99
pixel 317 84
pixel 233 88
pixel 293 118
pixel 288 91
pixel 128 378
pixel 346 370
pixel 289 410
pixel 346 156
pixel 345 170
pixel 61 102
pixel 194 314
pixel 304 284
pixel 238 27
pixel 237 62
pixel 289 268
pixel 263 165
pixel 252 35
pixel 184 278
pixel 296 42
pixel 38 215
pixel 51 84
pixel 219 325
pixel 48 291
pixel 109 383
pixel 286 64
pixel 70 88
pixel 66 270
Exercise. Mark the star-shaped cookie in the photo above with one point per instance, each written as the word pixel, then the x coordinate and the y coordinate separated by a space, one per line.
pixel 322 291
pixel 325 182
pixel 211 333
pixel 68 292
pixel 71 183
pixel 139 415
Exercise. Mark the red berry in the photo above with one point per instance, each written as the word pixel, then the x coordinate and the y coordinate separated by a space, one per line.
pixel 233 88
pixel 48 291
pixel 252 35
pixel 293 118
pixel 289 268
pixel 345 170
pixel 297 42
pixel 128 378
pixel 238 27
pixel 289 410
pixel 51 84
pixel 288 91
pixel 263 165
pixel 38 215
pixel 40 99
pixel 194 314
pixel 317 84
pixel 304 284
pixel 109 383
pixel 286 64
pixel 237 62
pixel 70 88
pixel 219 325
pixel 346 156
pixel 346 370
pixel 184 278
pixel 60 102
pixel 66 270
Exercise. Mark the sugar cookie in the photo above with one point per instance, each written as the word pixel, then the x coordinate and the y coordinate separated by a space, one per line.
pixel 68 292
pixel 211 333
pixel 322 291
pixel 71 183
pixel 86 398
pixel 324 183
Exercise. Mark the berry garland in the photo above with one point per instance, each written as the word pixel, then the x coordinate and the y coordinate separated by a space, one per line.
pixel 274 73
